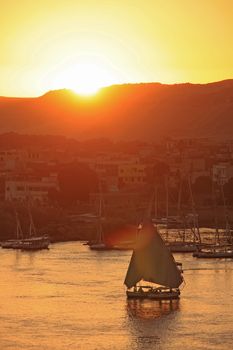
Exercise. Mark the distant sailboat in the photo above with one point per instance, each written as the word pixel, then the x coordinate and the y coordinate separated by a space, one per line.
pixel 153 265
pixel 100 243
pixel 214 251
pixel 14 243
pixel 188 221
pixel 222 248
pixel 34 241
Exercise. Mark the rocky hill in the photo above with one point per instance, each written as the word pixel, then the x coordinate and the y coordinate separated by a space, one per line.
pixel 126 112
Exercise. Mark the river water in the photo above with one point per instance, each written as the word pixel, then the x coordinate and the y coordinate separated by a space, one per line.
pixel 70 297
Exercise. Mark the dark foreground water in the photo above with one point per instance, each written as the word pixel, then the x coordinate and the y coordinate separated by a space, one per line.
pixel 72 298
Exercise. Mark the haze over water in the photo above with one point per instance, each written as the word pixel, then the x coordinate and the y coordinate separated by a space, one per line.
pixel 70 297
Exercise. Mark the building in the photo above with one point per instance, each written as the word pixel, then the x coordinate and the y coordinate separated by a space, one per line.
pixel 30 188
pixel 132 174
pixel 124 204
pixel 11 160
pixel 222 173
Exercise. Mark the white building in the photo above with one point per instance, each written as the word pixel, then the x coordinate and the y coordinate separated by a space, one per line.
pixel 12 159
pixel 30 189
pixel 222 172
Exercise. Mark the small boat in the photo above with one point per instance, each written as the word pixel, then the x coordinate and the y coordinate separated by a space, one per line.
pixel 214 251
pixel 159 293
pixel 14 243
pixel 222 248
pixel 100 246
pixel 100 243
pixel 34 242
pixel 180 224
pixel 152 272
pixel 182 247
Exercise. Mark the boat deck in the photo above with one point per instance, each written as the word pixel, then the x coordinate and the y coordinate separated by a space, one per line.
pixel 147 292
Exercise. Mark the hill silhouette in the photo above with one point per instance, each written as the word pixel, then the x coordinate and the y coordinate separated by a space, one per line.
pixel 126 112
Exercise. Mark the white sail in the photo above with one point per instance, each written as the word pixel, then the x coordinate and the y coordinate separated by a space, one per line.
pixel 152 261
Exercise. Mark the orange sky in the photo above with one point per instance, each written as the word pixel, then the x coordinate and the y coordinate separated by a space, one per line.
pixel 85 44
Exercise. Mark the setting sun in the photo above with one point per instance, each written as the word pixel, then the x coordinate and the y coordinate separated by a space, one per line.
pixel 84 78
pixel 85 45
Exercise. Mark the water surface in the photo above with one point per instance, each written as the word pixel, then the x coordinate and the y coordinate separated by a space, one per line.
pixel 70 297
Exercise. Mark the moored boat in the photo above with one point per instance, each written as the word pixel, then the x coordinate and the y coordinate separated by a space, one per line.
pixel 100 246
pixel 100 242
pixel 182 247
pixel 214 251
pixel 35 243
pixel 14 243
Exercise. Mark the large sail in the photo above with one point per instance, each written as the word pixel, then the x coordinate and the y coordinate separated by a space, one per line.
pixel 152 261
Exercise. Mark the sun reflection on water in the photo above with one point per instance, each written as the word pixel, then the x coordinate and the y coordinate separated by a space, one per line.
pixel 151 309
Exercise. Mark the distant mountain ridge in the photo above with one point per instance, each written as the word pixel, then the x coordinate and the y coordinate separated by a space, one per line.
pixel 126 112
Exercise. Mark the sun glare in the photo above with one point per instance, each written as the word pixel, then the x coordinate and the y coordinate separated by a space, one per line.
pixel 88 79
pixel 84 78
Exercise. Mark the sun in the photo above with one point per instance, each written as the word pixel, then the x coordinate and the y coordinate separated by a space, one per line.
pixel 88 79
pixel 84 78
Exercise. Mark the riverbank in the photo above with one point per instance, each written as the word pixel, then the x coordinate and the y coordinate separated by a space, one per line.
pixel 64 225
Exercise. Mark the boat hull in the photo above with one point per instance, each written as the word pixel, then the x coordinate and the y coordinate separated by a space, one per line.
pixel 33 248
pixel 211 255
pixel 155 295
pixel 11 244
pixel 35 243
pixel 100 246
pixel 214 251
pixel 182 248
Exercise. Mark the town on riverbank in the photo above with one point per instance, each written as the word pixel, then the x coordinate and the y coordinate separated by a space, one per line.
pixel 63 180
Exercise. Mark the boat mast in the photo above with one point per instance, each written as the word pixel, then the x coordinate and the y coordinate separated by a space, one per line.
pixel 156 202
pixel 227 229
pixel 19 232
pixel 32 228
pixel 167 207
pixel 179 206
pixel 195 228
pixel 179 197
pixel 100 228
pixel 215 212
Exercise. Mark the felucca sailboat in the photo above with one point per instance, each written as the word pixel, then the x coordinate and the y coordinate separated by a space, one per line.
pixel 152 272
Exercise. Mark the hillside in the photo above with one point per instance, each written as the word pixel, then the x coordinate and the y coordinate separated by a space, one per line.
pixel 131 111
